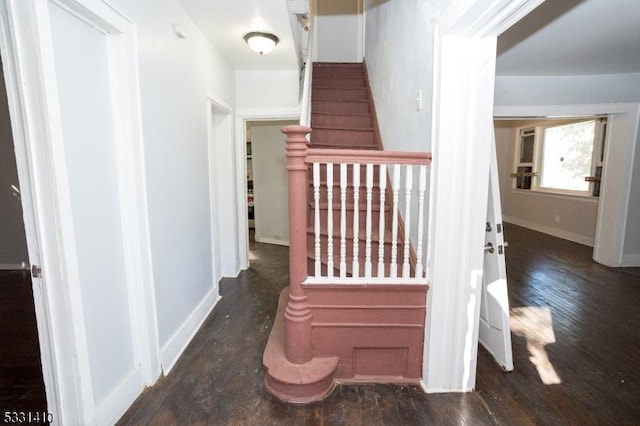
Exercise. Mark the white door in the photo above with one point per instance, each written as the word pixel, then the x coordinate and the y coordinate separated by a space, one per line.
pixel 494 332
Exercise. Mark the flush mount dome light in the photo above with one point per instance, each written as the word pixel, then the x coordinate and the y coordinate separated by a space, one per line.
pixel 261 42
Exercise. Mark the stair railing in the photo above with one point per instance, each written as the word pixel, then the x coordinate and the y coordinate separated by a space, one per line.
pixel 305 102
pixel 378 182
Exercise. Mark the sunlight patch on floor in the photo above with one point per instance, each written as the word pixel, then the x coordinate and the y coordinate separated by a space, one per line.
pixel 536 326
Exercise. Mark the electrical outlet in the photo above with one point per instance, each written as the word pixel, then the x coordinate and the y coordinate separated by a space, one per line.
pixel 419 101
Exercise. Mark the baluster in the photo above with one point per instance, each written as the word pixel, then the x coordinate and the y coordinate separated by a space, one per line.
pixel 382 182
pixel 330 220
pixel 394 225
pixel 316 219
pixel 407 223
pixel 367 247
pixel 356 221
pixel 421 189
pixel 343 220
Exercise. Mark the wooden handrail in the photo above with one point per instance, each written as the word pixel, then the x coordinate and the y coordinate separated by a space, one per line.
pixel 364 156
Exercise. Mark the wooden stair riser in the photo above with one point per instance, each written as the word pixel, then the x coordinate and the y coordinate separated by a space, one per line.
pixel 341 121
pixel 375 246
pixel 349 213
pixel 337 72
pixel 346 137
pixel 361 272
pixel 362 200
pixel 339 82
pixel 340 107
pixel 323 93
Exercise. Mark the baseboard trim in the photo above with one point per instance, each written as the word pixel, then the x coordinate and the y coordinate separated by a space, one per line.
pixel 549 230
pixel 631 260
pixel 272 241
pixel 14 266
pixel 171 351
pixel 120 398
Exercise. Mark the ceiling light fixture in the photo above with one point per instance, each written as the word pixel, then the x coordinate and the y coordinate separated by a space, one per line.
pixel 260 42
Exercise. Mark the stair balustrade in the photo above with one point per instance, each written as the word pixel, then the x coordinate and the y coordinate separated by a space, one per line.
pixel 356 202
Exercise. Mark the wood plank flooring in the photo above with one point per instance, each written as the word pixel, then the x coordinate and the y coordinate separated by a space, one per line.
pixel 577 320
pixel 21 383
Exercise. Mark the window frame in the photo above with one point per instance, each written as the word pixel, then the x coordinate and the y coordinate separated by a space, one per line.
pixel 538 129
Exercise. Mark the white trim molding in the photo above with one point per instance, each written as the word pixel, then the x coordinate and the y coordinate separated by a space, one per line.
pixel 461 135
pixel 242 117
pixel 549 230
pixel 177 343
pixel 32 87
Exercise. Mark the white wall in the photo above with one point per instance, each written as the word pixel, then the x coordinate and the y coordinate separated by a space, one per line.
pixel 259 90
pixel 339 31
pixel 399 58
pixel 175 77
pixel 270 188
pixel 538 210
pixel 576 90
pixel 13 246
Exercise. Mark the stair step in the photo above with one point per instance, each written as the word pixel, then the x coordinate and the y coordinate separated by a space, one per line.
pixel 340 107
pixel 354 138
pixel 349 266
pixel 332 93
pixel 324 145
pixel 339 82
pixel 341 121
pixel 324 69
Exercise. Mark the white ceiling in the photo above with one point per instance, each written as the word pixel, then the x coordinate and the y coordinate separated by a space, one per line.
pixel 573 37
pixel 225 22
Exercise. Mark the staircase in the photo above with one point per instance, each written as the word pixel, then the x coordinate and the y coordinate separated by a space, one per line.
pixel 343 117
pixel 355 310
pixel 341 110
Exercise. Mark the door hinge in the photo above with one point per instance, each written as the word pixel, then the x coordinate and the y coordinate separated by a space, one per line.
pixel 36 271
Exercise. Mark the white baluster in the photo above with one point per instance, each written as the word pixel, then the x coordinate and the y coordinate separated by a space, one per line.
pixel 330 220
pixel 394 225
pixel 356 223
pixel 316 219
pixel 343 220
pixel 367 247
pixel 382 183
pixel 421 189
pixel 407 222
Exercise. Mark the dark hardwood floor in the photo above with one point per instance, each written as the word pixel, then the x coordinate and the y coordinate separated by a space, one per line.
pixel 576 345
pixel 21 383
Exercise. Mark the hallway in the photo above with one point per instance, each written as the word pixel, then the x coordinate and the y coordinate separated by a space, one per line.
pixel 218 380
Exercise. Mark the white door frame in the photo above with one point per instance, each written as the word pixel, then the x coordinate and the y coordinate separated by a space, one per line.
pixel 613 205
pixel 242 117
pixel 216 105
pixel 31 85
pixel 463 90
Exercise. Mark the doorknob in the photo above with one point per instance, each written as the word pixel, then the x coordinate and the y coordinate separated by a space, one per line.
pixel 488 248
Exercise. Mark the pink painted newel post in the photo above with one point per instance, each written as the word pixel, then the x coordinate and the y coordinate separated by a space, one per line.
pixel 297 314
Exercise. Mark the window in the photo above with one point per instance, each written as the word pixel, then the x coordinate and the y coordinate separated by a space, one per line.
pixel 562 157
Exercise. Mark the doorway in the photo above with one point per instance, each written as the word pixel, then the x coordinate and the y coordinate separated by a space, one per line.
pixel 21 379
pixel 615 187
pixel 267 188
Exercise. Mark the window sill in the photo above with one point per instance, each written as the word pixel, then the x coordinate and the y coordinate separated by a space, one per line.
pixel 537 193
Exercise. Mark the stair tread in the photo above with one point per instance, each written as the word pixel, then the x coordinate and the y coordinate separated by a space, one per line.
pixel 361 235
pixel 339 88
pixel 349 206
pixel 358 101
pixel 338 114
pixel 357 129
